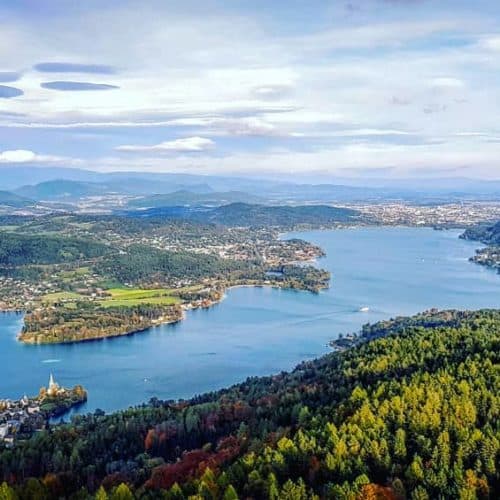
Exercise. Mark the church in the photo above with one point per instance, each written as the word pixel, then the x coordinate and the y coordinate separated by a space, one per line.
pixel 53 389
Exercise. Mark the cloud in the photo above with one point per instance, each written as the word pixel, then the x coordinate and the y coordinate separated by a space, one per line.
pixel 9 76
pixel 9 92
pixel 490 43
pixel 27 156
pixel 340 80
pixel 77 86
pixel 247 126
pixel 271 92
pixel 241 126
pixel 399 101
pixel 185 145
pixel 368 132
pixel 63 67
pixel 447 83
pixel 430 109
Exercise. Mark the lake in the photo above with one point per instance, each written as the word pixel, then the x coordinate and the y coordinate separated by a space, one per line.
pixel 260 331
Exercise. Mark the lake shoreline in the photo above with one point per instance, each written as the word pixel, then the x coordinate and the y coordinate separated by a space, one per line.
pixel 158 323
pixel 259 331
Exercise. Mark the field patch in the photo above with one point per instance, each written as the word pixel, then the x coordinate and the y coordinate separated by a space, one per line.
pixel 129 297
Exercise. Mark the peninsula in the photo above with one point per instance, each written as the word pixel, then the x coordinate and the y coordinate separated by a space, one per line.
pixel 80 278
pixel 20 419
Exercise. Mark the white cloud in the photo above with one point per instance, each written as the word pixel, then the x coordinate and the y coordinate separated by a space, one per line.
pixel 360 132
pixel 447 83
pixel 270 92
pixel 187 144
pixel 27 156
pixel 490 43
pixel 246 126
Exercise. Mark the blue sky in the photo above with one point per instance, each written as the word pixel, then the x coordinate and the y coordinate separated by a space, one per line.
pixel 288 88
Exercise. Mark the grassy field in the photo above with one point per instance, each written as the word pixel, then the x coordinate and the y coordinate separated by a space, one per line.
pixel 164 301
pixel 125 297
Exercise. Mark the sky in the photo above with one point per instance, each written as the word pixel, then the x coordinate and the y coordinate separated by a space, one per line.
pixel 285 88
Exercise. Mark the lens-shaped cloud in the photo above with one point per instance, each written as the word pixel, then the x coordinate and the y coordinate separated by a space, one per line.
pixel 9 92
pixel 65 86
pixel 9 76
pixel 62 67
pixel 184 145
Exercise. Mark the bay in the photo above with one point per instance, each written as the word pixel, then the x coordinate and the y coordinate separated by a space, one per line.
pixel 260 331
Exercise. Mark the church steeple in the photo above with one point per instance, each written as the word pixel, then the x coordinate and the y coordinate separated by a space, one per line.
pixel 53 387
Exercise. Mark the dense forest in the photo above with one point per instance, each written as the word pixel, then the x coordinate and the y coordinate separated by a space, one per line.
pixel 412 411
pixel 140 263
pixel 20 249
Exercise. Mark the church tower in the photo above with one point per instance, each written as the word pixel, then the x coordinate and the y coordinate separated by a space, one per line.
pixel 53 387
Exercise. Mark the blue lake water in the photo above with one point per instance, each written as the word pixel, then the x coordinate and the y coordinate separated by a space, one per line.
pixel 260 331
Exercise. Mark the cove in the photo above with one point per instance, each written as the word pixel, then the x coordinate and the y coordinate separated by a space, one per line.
pixel 260 331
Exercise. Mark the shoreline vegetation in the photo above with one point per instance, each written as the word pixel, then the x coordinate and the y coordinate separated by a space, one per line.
pixel 411 412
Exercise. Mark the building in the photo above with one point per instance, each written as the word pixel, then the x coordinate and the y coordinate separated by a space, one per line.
pixel 53 389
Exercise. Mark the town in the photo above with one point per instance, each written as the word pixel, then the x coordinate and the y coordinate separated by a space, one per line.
pixel 20 419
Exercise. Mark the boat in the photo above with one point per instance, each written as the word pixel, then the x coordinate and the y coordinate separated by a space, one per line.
pixel 364 309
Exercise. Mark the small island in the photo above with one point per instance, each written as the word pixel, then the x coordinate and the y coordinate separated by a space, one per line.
pixel 20 419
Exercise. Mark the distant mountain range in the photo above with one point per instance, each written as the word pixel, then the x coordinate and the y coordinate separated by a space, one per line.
pixel 63 190
pixel 70 184
pixel 184 197
pixel 70 190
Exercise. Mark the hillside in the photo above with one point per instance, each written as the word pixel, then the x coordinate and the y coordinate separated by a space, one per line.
pixel 487 234
pixel 19 250
pixel 187 197
pixel 252 215
pixel 413 414
pixel 13 200
pixel 61 190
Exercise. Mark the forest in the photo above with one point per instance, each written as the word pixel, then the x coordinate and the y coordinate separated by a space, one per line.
pixel 141 263
pixel 21 249
pixel 412 411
